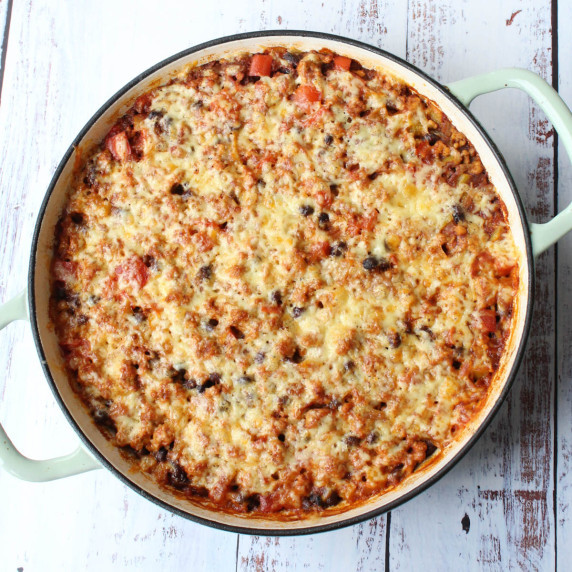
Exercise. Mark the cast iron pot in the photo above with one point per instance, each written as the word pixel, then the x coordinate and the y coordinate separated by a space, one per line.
pixel 531 239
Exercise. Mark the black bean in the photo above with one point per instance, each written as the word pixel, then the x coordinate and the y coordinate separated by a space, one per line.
pixel 334 190
pixel 155 114
pixel 391 108
pixel 91 176
pixel 211 324
pixel 198 104
pixel 458 213
pixel 318 498
pixel 160 455
pixel 431 137
pixel 77 218
pixel 205 272
pixel 291 58
pixel 82 319
pixel 252 502
pixel 456 364
pixel 177 189
pixel 384 265
pixel 352 441
pixel 394 340
pixel 150 261
pixel 138 314
pixel 237 334
pixel 338 248
pixel 296 357
pixel 306 210
pixel 259 357
pixel 431 448
pixel 179 375
pixel 326 67
pixel 245 379
pixel 372 437
pixel 276 297
pixel 373 176
pixel 60 291
pixel 177 477
pixel 370 263
pixel 373 263
pixel 328 139
pixel 212 380
pixel 282 437
pixel 323 220
pixel 189 383
pixel 349 365
pixel 103 419
pixel 297 311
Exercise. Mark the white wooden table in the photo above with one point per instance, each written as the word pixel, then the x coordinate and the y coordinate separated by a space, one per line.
pixel 506 505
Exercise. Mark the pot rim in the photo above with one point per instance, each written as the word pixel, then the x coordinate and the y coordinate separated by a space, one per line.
pixel 510 376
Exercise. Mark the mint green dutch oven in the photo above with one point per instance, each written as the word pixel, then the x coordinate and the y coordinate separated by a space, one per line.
pixel 32 304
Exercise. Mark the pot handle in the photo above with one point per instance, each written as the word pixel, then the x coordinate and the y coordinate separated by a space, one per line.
pixel 542 235
pixel 10 458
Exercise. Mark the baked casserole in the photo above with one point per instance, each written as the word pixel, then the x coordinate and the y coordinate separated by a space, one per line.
pixel 283 282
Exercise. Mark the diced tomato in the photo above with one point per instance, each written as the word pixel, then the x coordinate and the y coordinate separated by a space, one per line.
pixel 119 146
pixel 488 320
pixel 142 103
pixel 134 272
pixel 342 63
pixel 307 94
pixel 318 251
pixel 64 270
pixel 425 152
pixel 260 65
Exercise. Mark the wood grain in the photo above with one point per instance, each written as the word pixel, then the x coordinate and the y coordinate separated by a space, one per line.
pixel 564 322
pixel 495 509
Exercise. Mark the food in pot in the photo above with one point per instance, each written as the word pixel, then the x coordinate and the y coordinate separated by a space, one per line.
pixel 283 283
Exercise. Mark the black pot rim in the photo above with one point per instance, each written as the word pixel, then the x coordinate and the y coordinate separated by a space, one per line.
pixel 310 529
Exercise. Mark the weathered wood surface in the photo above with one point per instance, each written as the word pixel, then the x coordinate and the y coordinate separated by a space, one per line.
pixel 499 508
pixel 564 324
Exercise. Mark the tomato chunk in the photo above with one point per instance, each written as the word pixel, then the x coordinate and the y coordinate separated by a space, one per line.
pixel 134 272
pixel 306 94
pixel 119 146
pixel 342 63
pixel 261 65
pixel 488 321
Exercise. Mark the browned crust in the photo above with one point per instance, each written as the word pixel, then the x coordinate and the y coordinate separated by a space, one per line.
pixel 126 143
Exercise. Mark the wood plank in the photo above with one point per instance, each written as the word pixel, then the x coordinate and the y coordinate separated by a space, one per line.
pixel 4 17
pixel 361 548
pixel 564 323
pixel 64 59
pixel 495 509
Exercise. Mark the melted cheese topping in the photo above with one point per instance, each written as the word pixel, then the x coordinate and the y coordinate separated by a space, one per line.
pixel 283 292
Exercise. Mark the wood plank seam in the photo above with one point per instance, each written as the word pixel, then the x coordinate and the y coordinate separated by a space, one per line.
pixel 555 84
pixel 5 46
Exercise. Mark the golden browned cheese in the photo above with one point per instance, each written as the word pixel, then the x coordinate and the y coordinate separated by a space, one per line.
pixel 283 282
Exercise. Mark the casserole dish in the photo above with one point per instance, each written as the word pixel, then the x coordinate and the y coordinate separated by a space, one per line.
pixel 37 303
